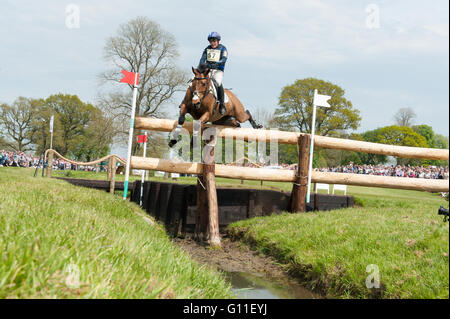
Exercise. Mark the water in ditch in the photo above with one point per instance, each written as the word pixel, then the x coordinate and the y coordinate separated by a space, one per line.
pixel 253 286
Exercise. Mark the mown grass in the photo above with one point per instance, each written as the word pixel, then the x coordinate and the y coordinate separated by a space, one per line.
pixel 50 231
pixel 398 231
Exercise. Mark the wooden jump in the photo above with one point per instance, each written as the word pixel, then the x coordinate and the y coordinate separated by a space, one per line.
pixel 207 197
pixel 249 134
pixel 280 175
pixel 111 165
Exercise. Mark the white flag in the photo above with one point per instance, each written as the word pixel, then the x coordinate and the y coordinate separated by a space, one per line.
pixel 51 124
pixel 321 100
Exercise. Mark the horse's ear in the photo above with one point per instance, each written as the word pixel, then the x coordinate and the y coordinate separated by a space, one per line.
pixel 194 70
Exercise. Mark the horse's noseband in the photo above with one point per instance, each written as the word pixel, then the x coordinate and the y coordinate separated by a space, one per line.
pixel 195 93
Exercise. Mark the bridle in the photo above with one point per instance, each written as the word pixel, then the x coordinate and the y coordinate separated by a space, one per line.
pixel 196 93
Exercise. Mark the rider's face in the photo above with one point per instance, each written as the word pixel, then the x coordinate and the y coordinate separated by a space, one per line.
pixel 214 43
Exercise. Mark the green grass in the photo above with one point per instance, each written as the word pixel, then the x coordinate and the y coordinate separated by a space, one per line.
pixel 398 231
pixel 48 227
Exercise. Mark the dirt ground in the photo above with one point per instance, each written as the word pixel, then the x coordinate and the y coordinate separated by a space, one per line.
pixel 233 257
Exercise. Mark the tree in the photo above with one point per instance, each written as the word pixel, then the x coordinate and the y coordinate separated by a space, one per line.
pixel 427 132
pixel 3 143
pixel 440 141
pixel 296 105
pixel 141 46
pixel 95 142
pixel 405 116
pixel 17 122
pixel 73 118
pixel 397 135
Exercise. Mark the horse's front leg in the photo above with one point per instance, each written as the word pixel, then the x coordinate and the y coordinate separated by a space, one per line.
pixel 205 117
pixel 181 119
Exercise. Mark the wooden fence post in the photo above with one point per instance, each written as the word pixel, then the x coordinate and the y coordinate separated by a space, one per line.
pixel 211 192
pixel 112 182
pixel 201 218
pixel 50 164
pixel 109 168
pixel 298 195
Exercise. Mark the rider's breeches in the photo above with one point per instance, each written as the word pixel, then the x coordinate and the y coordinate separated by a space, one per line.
pixel 217 75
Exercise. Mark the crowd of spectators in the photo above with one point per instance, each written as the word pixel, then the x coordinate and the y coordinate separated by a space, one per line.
pixel 428 172
pixel 21 159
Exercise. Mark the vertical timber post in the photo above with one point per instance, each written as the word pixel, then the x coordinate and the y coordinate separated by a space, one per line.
pixel 299 190
pixel 109 168
pixel 50 164
pixel 211 192
pixel 112 182
pixel 201 220
pixel 201 217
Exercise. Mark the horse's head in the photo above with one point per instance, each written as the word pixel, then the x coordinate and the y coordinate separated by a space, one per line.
pixel 200 85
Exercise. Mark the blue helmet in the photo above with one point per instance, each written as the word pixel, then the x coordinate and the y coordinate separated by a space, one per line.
pixel 213 35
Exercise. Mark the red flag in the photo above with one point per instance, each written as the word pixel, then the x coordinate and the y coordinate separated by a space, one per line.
pixel 142 138
pixel 129 77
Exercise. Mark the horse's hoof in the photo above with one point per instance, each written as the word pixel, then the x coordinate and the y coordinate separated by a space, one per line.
pixel 172 143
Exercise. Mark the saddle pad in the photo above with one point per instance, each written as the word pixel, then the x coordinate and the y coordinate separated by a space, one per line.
pixel 225 98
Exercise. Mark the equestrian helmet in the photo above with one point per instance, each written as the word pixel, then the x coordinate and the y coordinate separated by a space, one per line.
pixel 214 35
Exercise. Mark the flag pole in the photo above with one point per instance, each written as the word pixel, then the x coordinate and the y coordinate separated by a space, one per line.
pixel 51 131
pixel 311 149
pixel 143 173
pixel 130 138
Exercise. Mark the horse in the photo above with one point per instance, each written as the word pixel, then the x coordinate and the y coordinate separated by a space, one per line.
pixel 200 102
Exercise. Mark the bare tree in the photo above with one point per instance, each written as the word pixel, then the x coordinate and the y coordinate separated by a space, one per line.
pixel 405 116
pixel 17 122
pixel 142 46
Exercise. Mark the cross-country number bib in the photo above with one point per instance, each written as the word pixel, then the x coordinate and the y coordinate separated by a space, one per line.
pixel 212 55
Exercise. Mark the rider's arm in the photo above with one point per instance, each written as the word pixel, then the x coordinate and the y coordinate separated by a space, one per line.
pixel 203 58
pixel 224 57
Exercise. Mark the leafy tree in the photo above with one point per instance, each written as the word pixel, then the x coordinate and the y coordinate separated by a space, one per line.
pixel 405 116
pixel 397 135
pixel 16 120
pixel 296 105
pixel 95 142
pixel 73 117
pixel 427 132
pixel 440 141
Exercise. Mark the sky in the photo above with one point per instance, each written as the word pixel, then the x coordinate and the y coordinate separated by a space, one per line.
pixel 386 55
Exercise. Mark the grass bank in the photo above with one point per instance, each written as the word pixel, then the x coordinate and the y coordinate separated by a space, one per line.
pixel 395 231
pixel 62 241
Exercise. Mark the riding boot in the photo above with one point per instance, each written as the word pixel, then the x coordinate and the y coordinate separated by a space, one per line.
pixel 220 95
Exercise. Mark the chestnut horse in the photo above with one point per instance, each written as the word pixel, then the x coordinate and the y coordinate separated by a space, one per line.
pixel 200 102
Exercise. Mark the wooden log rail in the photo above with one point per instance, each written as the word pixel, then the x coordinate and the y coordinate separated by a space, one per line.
pixel 111 165
pixel 283 137
pixel 279 175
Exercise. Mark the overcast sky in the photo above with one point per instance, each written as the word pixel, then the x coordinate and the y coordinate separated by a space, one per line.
pixel 402 62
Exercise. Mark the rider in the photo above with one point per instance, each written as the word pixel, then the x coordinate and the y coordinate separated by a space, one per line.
pixel 215 55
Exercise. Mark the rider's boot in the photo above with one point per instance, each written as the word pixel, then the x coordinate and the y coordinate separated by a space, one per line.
pixel 220 96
